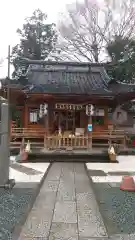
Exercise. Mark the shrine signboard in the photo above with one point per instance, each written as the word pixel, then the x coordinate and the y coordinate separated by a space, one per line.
pixel 69 107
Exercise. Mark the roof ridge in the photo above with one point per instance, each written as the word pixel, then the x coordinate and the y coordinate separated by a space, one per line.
pixel 71 63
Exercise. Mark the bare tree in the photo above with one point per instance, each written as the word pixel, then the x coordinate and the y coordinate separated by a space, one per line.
pixel 88 27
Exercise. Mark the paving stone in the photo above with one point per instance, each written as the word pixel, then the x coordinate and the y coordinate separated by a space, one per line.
pixel 81 178
pixel 80 174
pixel 54 173
pixel 66 192
pixel 67 175
pixel 65 212
pixel 90 222
pixel 67 178
pixel 86 198
pixel 71 238
pixel 90 226
pixel 50 186
pixel 35 228
pixel 53 176
pixel 63 231
pixel 45 214
pixel 37 238
pixel 68 165
pixel 83 187
pixel 89 238
pixel 45 200
pixel 79 167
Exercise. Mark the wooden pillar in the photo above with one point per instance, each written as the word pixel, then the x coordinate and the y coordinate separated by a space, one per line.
pixel 83 119
pixel 89 112
pixel 47 123
pixel 26 115
pixel 89 133
pixel 106 117
pixel 50 116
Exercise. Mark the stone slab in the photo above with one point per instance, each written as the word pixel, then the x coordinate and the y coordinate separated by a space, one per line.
pixel 90 223
pixel 35 238
pixel 66 192
pixel 65 212
pixel 87 238
pixel 36 228
pixel 63 231
pixel 45 200
pixel 50 186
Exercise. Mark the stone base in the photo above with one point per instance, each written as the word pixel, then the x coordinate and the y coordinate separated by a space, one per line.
pixel 9 185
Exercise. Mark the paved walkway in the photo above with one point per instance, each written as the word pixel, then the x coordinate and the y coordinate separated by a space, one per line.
pixel 65 207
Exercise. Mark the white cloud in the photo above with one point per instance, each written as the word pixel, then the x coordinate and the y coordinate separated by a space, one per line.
pixel 12 15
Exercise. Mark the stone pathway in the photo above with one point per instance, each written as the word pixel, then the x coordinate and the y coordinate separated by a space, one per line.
pixel 65 208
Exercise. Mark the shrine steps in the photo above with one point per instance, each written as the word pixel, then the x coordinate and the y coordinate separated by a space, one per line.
pixel 69 156
pixel 40 155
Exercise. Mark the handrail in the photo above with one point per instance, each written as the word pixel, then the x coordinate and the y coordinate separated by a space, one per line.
pixel 42 132
pixel 44 129
pixel 29 130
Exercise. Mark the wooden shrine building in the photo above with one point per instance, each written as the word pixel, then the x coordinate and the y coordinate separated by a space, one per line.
pixel 51 106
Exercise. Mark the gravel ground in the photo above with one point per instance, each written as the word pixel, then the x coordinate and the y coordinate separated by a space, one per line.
pixel 117 208
pixel 13 208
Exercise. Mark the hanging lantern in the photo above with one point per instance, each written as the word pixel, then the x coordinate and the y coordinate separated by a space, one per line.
pixel 40 111
pixel 45 109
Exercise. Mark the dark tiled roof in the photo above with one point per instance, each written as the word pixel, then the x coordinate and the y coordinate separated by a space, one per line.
pixel 70 78
pixel 86 80
pixel 119 88
pixel 13 83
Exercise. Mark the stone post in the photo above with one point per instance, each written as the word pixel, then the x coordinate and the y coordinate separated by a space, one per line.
pixel 4 147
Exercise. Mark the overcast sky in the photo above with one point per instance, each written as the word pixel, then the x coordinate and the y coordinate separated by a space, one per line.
pixel 12 15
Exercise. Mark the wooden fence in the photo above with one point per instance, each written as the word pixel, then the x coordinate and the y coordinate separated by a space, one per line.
pixel 95 139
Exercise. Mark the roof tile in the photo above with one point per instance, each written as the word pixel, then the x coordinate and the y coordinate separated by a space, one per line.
pixel 73 82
